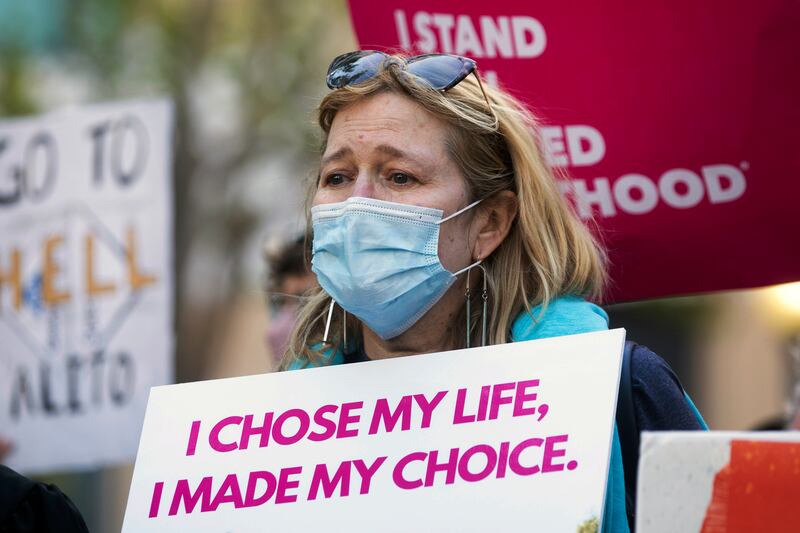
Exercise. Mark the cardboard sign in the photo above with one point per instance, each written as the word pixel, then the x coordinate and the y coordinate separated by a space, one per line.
pixel 497 438
pixel 709 482
pixel 85 281
pixel 677 121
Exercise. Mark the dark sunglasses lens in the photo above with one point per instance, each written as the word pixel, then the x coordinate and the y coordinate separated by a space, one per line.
pixel 354 67
pixel 441 71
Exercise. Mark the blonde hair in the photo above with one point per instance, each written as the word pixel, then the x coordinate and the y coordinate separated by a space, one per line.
pixel 548 252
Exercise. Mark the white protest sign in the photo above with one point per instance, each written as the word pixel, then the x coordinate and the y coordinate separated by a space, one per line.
pixel 85 281
pixel 501 438
pixel 699 481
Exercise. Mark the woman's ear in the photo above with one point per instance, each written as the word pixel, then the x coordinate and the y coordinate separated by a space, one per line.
pixel 493 222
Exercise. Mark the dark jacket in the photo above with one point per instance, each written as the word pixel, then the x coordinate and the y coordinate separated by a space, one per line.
pixel 30 506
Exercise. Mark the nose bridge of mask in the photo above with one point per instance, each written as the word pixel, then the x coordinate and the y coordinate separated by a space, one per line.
pixel 376 207
pixel 422 214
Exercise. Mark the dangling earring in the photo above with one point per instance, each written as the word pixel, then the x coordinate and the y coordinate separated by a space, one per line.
pixel 468 296
pixel 328 322
pixel 328 326
pixel 485 298
pixel 485 313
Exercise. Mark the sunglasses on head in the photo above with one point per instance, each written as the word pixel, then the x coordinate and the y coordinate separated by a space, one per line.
pixel 440 71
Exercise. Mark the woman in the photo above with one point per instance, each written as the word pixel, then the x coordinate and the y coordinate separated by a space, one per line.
pixel 437 225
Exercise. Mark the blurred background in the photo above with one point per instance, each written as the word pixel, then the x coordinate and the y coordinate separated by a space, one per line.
pixel 245 77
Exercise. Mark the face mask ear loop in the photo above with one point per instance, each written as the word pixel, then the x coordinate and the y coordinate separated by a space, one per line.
pixel 484 314
pixel 328 322
pixel 466 269
pixel 454 215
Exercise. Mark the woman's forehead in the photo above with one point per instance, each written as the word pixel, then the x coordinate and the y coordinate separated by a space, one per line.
pixel 388 124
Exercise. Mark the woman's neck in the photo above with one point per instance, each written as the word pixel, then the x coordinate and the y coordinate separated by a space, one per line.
pixel 431 333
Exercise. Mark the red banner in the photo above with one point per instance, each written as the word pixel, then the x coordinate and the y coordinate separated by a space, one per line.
pixel 678 122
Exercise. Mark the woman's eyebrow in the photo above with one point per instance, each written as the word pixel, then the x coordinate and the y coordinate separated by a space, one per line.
pixel 341 153
pixel 418 160
pixel 385 149
pixel 392 151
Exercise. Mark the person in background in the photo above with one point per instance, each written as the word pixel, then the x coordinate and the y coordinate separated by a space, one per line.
pixel 289 279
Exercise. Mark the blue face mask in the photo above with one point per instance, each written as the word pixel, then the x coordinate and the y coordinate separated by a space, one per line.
pixel 379 260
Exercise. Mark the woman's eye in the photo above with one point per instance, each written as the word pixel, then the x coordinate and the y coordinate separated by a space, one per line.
pixel 334 179
pixel 398 178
